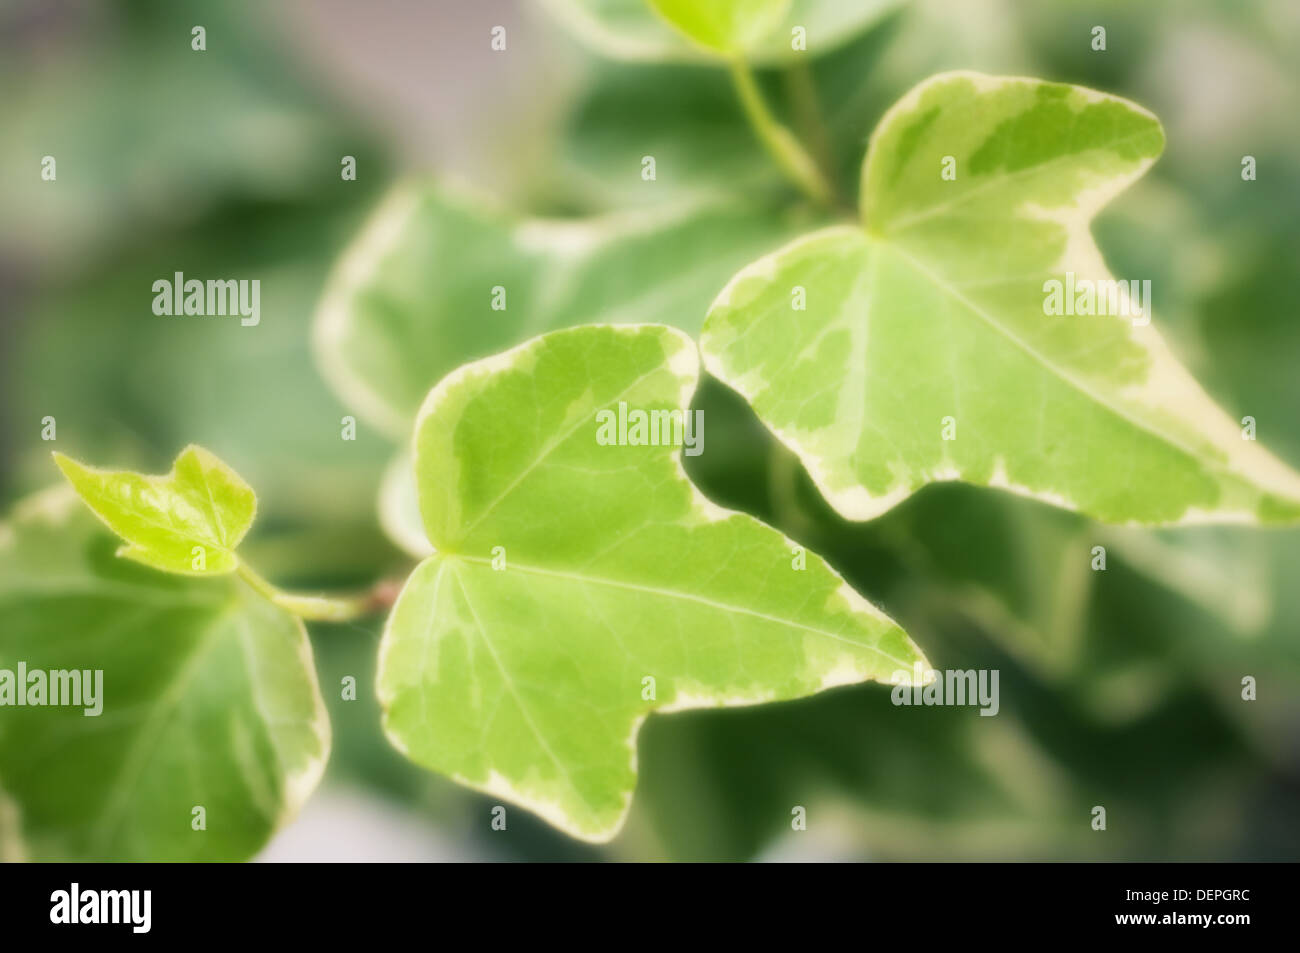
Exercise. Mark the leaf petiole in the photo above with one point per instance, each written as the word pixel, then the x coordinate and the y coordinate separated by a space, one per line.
pixel 321 608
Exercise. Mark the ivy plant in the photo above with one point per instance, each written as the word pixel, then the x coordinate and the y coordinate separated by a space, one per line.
pixel 566 586
pixel 520 657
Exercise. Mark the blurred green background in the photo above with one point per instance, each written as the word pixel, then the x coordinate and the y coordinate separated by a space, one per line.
pixel 1118 688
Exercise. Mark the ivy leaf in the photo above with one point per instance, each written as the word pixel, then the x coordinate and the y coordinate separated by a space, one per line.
pixel 208 699
pixel 577 586
pixel 693 30
pixel 188 521
pixel 926 352
pixel 440 278
pixel 728 27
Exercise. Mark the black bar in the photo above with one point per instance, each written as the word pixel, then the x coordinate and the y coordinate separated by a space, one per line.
pixel 923 902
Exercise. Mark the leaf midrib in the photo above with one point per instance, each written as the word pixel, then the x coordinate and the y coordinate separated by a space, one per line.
pixel 549 448
pixel 1059 372
pixel 139 751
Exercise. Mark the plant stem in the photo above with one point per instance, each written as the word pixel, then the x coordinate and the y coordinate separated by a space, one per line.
pixel 811 122
pixel 797 165
pixel 323 608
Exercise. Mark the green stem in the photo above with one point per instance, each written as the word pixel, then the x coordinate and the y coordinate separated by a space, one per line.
pixel 797 165
pixel 320 608
pixel 811 122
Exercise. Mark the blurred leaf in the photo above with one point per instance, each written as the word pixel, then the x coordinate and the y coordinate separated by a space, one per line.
pixel 1252 336
pixel 629 29
pixel 201 503
pixel 127 385
pixel 146 131
pixel 208 695
pixel 534 640
pixel 725 27
pixel 439 279
pixel 721 787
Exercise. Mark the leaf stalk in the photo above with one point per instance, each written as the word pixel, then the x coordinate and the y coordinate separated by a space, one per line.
pixel 797 165
pixel 315 607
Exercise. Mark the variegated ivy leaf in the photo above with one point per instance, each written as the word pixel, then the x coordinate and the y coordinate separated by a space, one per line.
pixel 440 278
pixel 924 345
pixel 579 584
pixel 188 521
pixel 184 721
pixel 763 31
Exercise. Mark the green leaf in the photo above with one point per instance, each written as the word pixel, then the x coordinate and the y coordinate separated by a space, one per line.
pixel 417 294
pixel 188 521
pixel 723 26
pixel 931 322
pixel 209 699
pixel 567 572
pixel 762 30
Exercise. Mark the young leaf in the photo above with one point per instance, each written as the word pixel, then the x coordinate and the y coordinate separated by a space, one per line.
pixel 763 30
pixel 188 521
pixel 208 700
pixel 927 351
pixel 439 279
pixel 577 585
